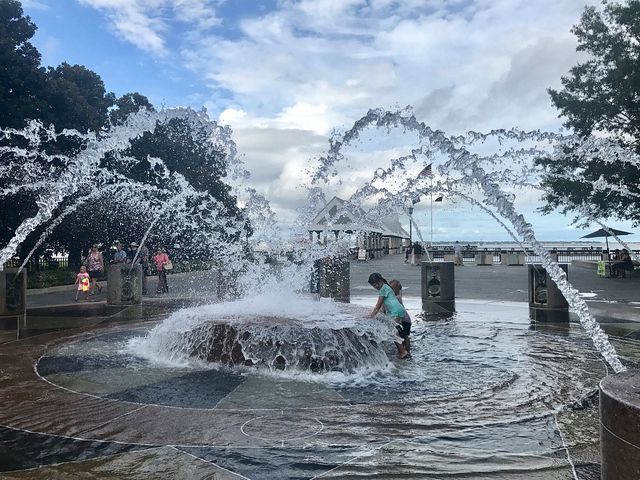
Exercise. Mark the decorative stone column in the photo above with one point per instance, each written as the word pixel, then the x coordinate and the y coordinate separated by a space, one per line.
pixel 124 284
pixel 546 302
pixel 13 297
pixel 620 426
pixel 438 287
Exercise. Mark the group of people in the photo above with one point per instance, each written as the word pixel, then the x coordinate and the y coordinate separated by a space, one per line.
pixel 93 267
pixel 622 263
pixel 390 300
pixel 413 249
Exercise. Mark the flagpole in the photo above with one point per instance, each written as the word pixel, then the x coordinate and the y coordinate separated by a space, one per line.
pixel 431 216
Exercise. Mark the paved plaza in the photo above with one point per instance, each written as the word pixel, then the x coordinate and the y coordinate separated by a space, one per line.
pixel 490 397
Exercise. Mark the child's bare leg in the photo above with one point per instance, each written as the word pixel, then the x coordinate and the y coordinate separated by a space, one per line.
pixel 407 344
pixel 402 352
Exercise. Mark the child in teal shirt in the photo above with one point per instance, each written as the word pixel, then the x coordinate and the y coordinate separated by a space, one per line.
pixel 391 304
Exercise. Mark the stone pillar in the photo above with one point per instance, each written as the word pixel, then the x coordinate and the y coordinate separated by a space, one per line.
pixel 13 297
pixel 124 284
pixel 620 426
pixel 512 258
pixel 485 258
pixel 334 280
pixel 438 287
pixel 546 302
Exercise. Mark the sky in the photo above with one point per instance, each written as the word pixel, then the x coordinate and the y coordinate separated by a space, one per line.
pixel 285 73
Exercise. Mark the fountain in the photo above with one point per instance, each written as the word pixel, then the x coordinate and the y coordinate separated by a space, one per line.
pixel 270 367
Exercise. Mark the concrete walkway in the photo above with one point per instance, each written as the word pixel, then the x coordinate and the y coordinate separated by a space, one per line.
pixel 608 298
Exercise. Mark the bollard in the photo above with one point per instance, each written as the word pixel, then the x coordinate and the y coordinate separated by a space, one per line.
pixel 512 258
pixel 620 426
pixel 334 280
pixel 546 302
pixel 124 284
pixel 484 259
pixel 438 287
pixel 13 298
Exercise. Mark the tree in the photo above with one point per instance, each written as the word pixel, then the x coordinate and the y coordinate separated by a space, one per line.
pixel 77 98
pixel 21 78
pixel 74 97
pixel 127 104
pixel 602 96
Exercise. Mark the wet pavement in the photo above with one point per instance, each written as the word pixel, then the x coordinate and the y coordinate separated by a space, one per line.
pixel 485 396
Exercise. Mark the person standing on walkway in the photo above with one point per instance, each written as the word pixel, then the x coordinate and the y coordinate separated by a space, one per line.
pixel 120 256
pixel 82 280
pixel 408 253
pixel 143 260
pixel 457 254
pixel 95 266
pixel 161 259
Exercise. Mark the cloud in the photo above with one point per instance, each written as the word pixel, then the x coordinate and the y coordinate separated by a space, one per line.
pixel 35 5
pixel 283 77
pixel 146 23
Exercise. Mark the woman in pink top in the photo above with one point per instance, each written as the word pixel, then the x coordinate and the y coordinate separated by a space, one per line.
pixel 95 265
pixel 161 259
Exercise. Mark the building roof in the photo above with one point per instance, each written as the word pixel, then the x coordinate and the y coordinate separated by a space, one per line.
pixel 348 221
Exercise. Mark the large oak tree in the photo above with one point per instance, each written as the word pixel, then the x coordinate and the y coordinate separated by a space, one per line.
pixel 601 96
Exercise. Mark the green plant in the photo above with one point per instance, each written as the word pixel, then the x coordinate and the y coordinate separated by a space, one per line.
pixel 50 278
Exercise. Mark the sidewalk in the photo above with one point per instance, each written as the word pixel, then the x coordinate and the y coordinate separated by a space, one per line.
pixel 609 299
pixel 192 284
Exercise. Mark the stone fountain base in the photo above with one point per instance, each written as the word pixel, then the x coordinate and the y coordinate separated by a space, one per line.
pixel 620 426
pixel 271 343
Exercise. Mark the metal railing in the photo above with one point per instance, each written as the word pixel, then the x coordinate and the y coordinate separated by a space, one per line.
pixel 564 255
pixel 40 263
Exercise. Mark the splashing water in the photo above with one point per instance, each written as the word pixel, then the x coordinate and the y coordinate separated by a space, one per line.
pixel 276 332
pixel 465 172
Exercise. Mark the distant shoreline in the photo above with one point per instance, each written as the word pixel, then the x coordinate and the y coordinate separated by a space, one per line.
pixel 547 244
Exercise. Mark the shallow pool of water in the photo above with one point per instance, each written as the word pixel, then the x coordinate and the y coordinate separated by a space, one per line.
pixel 484 396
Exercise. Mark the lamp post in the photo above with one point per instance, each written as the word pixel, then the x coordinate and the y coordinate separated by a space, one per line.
pixel 410 225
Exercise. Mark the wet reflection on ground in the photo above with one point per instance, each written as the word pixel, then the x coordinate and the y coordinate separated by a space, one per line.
pixel 484 396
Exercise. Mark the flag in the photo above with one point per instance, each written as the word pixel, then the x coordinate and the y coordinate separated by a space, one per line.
pixel 426 172
pixel 439 199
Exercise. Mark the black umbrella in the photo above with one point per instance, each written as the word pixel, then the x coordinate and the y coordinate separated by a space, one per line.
pixel 604 233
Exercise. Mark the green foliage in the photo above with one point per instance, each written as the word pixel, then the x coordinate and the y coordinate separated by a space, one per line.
pixel 51 278
pixel 77 98
pixel 602 93
pixel 74 97
pixel 21 77
pixel 127 104
pixel 600 96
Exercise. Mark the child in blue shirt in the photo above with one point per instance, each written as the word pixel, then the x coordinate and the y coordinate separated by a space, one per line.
pixel 392 306
pixel 404 329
